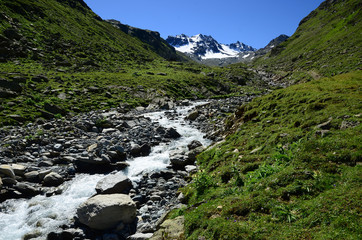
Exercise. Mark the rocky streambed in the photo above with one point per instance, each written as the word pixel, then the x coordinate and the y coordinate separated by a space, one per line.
pixel 130 164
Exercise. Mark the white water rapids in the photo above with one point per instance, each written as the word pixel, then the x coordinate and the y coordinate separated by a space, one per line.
pixel 40 215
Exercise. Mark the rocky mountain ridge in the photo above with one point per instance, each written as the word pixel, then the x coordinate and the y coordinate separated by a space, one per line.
pixel 326 42
pixel 206 47
pixel 206 50
pixel 152 38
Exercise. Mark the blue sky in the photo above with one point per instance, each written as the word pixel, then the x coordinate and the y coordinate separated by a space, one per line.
pixel 253 22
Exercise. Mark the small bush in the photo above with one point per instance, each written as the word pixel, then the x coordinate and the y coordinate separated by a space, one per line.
pixel 203 182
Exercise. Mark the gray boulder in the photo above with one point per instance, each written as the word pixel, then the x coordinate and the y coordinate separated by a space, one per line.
pixel 114 183
pixel 193 115
pixel 18 169
pixel 103 212
pixel 194 152
pixel 194 144
pixel 179 159
pixel 26 189
pixel 172 133
pixel 7 171
pixel 53 179
pixel 92 165
pixel 32 176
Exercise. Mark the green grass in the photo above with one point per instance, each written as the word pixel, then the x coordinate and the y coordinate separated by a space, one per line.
pixel 326 43
pixel 276 176
pixel 95 65
pixel 134 86
pixel 290 166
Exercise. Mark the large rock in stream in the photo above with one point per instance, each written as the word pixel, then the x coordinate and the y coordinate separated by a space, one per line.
pixel 103 212
pixel 114 183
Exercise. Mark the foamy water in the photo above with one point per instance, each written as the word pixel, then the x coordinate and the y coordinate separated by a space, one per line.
pixel 41 215
pixel 159 157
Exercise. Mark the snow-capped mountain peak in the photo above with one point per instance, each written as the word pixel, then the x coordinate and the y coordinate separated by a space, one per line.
pixel 206 47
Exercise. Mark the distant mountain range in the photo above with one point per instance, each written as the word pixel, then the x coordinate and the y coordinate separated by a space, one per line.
pixel 206 49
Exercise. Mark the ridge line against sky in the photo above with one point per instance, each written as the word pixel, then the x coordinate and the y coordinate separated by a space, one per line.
pixel 254 23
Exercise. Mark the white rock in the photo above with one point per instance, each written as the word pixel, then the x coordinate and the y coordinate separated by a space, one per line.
pixel 140 236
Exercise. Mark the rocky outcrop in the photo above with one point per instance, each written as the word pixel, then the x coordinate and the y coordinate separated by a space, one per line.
pixel 152 38
pixel 172 228
pixel 103 212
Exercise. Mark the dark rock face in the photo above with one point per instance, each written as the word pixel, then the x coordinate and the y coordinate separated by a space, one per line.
pixel 241 47
pixel 203 45
pixel 273 45
pixel 180 40
pixel 152 38
pixel 27 190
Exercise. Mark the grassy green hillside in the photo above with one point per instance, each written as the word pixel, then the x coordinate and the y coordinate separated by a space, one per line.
pixel 327 42
pixel 290 168
pixel 58 57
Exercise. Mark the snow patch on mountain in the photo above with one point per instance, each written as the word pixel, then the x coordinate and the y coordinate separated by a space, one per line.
pixel 206 47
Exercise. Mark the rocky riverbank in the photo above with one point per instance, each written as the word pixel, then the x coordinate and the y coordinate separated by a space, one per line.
pixel 36 159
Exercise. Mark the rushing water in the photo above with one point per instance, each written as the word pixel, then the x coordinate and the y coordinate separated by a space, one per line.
pixel 41 215
pixel 159 157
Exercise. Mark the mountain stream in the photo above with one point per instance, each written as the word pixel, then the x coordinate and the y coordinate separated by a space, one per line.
pixel 38 216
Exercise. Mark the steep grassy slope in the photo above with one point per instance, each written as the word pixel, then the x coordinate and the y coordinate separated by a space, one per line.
pixel 57 57
pixel 290 169
pixel 327 42
pixel 65 33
